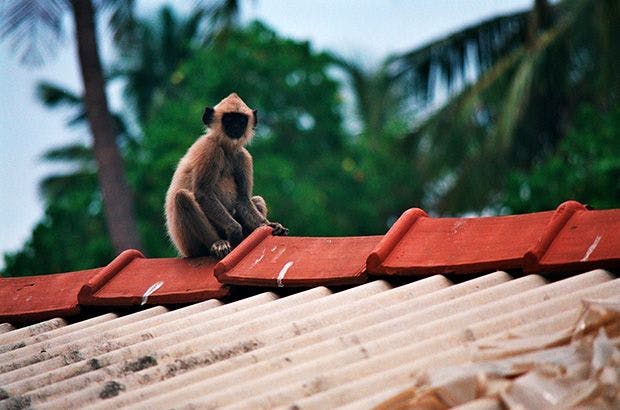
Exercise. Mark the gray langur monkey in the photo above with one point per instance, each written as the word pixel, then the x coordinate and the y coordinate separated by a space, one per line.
pixel 209 205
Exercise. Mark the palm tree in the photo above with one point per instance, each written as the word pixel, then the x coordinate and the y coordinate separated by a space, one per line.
pixel 22 22
pixel 519 108
pixel 148 65
pixel 513 84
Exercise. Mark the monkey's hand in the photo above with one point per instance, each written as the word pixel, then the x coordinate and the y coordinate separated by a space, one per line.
pixel 277 229
pixel 234 234
pixel 220 248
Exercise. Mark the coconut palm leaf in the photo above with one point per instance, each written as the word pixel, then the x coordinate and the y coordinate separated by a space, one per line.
pixel 34 28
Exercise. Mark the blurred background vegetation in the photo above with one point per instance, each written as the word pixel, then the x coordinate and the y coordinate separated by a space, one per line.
pixel 529 118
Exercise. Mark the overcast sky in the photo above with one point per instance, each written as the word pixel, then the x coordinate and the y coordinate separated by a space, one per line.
pixel 367 30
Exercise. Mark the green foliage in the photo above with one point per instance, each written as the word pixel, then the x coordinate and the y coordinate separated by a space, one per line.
pixel 500 144
pixel 302 156
pixel 585 167
pixel 72 234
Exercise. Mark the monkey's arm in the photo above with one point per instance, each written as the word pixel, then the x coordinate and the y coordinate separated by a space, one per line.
pixel 247 213
pixel 205 186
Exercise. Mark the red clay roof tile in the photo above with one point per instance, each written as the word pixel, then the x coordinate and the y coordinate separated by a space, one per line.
pixel 417 244
pixel 132 279
pixel 263 259
pixel 588 239
pixel 570 238
pixel 35 298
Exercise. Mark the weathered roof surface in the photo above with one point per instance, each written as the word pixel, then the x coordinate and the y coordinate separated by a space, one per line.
pixel 313 349
pixel 238 347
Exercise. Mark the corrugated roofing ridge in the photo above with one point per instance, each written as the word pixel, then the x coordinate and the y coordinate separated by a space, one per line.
pixel 324 385
pixel 6 327
pixel 356 346
pixel 287 331
pixel 7 351
pixel 281 354
pixel 65 329
pixel 105 334
pixel 16 365
pixel 32 330
pixel 178 343
pixel 390 341
pixel 405 373
pixel 20 385
pixel 224 337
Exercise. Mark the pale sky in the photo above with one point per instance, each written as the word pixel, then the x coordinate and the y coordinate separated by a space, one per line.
pixel 367 30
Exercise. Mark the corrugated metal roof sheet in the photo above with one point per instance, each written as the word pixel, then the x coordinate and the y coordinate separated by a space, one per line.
pixel 313 349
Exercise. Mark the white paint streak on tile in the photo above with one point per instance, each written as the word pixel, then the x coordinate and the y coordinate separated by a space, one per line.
pixel 150 291
pixel 283 271
pixel 260 258
pixel 591 248
pixel 280 252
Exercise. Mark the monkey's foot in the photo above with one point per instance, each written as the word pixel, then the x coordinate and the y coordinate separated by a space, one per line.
pixel 277 229
pixel 220 248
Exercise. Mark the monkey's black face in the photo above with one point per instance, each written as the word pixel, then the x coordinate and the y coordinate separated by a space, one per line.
pixel 234 124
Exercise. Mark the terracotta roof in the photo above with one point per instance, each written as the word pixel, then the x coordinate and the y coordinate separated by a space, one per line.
pixel 354 346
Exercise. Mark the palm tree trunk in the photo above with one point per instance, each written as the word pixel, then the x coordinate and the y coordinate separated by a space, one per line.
pixel 117 197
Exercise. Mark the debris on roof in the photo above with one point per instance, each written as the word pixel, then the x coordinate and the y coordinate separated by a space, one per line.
pixel 569 368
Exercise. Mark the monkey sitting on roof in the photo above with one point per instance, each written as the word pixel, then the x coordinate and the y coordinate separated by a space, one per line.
pixel 209 205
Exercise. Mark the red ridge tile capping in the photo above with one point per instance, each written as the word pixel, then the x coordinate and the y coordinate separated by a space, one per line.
pixel 35 298
pixel 131 279
pixel 392 238
pixel 419 245
pixel 577 239
pixel 570 238
pixel 266 260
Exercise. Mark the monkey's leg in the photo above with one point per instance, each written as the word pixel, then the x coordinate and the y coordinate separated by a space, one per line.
pixel 260 205
pixel 198 236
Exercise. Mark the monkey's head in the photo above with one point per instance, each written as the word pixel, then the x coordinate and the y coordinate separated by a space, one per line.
pixel 231 121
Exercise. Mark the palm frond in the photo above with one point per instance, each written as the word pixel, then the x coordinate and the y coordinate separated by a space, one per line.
pixel 76 152
pixel 122 20
pixel 473 49
pixel 54 96
pixel 32 27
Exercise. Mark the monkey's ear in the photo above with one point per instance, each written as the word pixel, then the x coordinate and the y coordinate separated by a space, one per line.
pixel 255 114
pixel 207 117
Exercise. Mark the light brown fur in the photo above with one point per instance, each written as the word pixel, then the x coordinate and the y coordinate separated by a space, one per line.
pixel 209 205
